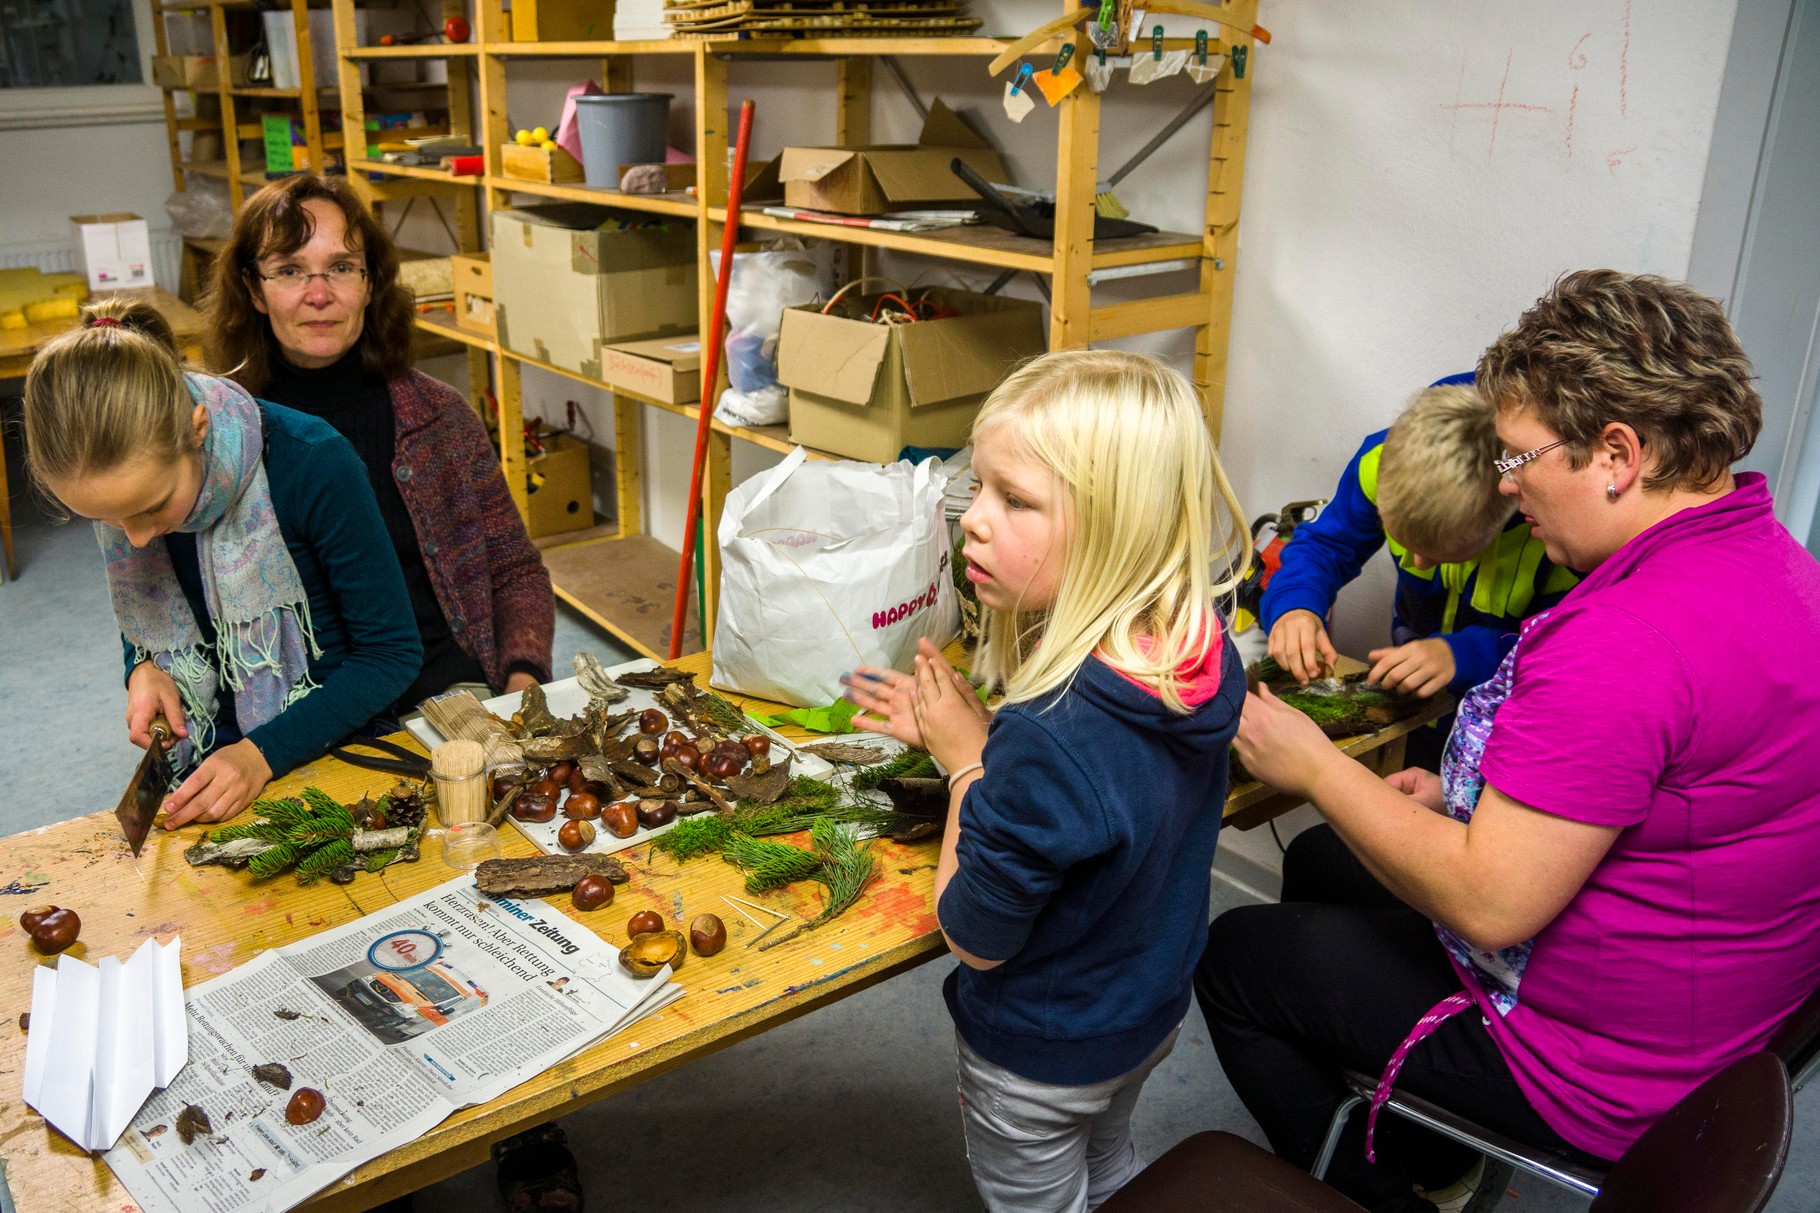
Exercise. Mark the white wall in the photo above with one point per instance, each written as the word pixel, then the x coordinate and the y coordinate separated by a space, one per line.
pixel 55 172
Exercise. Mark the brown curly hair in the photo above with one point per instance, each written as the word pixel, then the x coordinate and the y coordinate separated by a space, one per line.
pixel 274 222
pixel 1658 356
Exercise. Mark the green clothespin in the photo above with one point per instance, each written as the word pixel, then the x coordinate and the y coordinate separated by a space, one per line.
pixel 1200 47
pixel 1238 61
pixel 1101 32
pixel 1156 43
pixel 1062 57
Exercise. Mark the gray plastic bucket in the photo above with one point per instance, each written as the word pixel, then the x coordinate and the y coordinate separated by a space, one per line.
pixel 620 128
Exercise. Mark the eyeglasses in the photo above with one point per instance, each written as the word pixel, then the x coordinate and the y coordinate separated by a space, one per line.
pixel 1507 466
pixel 290 280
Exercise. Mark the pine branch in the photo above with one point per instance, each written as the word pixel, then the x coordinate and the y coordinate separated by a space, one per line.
pixel 325 860
pixel 909 764
pixel 769 865
pixel 271 863
pixel 847 868
pixel 263 831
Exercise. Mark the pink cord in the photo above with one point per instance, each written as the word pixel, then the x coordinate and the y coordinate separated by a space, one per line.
pixel 1425 1027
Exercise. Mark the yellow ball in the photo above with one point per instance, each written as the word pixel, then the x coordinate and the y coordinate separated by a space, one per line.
pixel 524 138
pixel 541 135
pixel 548 145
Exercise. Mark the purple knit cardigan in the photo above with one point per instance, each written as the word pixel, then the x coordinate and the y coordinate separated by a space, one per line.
pixel 489 578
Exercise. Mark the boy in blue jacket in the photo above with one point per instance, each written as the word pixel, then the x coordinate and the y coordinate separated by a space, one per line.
pixel 1468 570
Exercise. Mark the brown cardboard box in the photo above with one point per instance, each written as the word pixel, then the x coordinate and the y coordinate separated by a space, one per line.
pixel 867 390
pixel 562 20
pixel 550 164
pixel 889 177
pixel 569 276
pixel 473 277
pixel 196 71
pixel 565 499
pixel 668 369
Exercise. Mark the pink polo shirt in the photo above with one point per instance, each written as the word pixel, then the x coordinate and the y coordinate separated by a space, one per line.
pixel 1675 693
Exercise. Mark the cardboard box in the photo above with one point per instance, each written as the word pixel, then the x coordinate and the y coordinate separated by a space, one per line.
pixel 550 164
pixel 473 277
pixel 668 369
pixel 569 276
pixel 565 499
pixel 116 249
pixel 889 177
pixel 867 390
pixel 196 71
pixel 562 20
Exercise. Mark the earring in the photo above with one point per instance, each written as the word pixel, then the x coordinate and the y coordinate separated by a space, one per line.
pixel 1611 492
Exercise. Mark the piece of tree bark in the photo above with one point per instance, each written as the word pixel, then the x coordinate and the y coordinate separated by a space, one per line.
pixel 542 874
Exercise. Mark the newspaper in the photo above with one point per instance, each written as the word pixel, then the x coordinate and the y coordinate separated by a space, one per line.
pixel 399 1018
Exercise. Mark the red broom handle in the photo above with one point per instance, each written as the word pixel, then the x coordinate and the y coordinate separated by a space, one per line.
pixel 709 370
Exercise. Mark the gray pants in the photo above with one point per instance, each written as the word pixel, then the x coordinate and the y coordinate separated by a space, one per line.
pixel 1037 1148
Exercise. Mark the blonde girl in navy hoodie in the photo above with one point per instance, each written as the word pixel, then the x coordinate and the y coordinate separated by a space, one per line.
pixel 1073 882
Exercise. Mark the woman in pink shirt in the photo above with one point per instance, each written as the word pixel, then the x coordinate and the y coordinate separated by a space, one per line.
pixel 1613 875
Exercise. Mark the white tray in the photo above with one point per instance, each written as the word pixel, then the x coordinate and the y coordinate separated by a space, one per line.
pixel 566 699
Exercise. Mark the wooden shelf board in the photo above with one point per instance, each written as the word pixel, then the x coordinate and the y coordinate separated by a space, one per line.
pixel 677 202
pixel 772 437
pixel 627 586
pixel 441 321
pixel 416 172
pixel 428 50
pixel 841 48
pixel 587 534
pixel 585 50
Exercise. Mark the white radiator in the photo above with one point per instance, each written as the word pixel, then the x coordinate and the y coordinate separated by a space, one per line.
pixel 61 257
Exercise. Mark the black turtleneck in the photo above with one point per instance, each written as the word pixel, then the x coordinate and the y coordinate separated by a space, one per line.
pixel 355 401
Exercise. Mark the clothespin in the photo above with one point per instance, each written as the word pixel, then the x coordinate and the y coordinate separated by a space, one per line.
pixel 1018 102
pixel 1058 80
pixel 1101 32
pixel 1156 43
pixel 1238 61
pixel 1200 47
pixel 1023 79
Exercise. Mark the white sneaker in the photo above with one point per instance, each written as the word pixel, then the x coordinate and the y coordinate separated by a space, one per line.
pixel 1454 1196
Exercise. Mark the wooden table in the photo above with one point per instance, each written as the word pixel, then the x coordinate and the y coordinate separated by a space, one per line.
pixel 226 918
pixel 19 346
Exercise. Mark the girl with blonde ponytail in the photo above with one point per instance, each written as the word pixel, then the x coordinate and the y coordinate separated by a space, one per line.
pixel 1073 880
pixel 261 608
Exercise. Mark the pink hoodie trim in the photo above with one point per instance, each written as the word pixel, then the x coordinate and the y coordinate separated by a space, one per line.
pixel 1199 685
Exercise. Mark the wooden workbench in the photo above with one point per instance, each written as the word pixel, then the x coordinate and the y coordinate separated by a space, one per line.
pixel 226 918
pixel 19 346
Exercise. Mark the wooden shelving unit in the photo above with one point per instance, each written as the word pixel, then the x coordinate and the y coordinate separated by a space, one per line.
pixel 618 575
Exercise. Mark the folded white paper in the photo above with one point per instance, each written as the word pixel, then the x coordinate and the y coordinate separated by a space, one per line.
pixel 103 1039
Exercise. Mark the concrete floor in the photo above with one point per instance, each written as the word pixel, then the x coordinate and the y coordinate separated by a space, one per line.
pixel 850 1108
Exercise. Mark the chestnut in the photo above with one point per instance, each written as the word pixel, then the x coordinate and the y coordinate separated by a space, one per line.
pixel 703 745
pixel 652 721
pixel 707 934
pixel 581 806
pixel 559 774
pixel 575 835
pixel 647 751
pixel 647 954
pixel 592 892
pixel 599 788
pixel 676 739
pixel 545 787
pixel 655 813
pixel 719 766
pixel 620 819
pixel 52 928
pixel 503 784
pixel 689 758
pixel 531 806
pixel 306 1105
pixel 644 922
pixel 757 744
pixel 577 780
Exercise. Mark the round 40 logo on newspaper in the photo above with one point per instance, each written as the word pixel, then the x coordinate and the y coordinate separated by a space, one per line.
pixel 403 950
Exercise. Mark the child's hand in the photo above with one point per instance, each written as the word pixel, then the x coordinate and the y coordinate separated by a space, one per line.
pixel 1280 746
pixel 1300 645
pixel 890 698
pixel 1423 787
pixel 950 716
pixel 1421 667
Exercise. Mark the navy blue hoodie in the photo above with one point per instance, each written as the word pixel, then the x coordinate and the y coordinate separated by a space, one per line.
pixel 1084 860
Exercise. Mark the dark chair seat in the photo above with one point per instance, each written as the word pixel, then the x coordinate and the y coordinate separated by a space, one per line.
pixel 1215 1172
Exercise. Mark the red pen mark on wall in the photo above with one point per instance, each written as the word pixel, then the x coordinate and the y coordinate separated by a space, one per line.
pixel 1624 67
pixel 1615 157
pixel 1497 107
pixel 1576 61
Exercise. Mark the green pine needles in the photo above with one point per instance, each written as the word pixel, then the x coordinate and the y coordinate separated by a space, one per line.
pixel 312 833
pixel 769 865
pixel 908 764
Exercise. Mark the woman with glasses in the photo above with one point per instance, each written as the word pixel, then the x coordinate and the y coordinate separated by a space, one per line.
pixel 307 311
pixel 1608 893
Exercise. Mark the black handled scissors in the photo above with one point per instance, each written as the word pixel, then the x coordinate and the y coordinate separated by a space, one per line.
pixel 402 762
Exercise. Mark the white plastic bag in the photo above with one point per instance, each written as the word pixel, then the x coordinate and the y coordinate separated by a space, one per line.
pixel 826 566
pixel 763 285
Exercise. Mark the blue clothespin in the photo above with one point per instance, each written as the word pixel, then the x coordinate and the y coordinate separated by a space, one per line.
pixel 1156 43
pixel 1023 79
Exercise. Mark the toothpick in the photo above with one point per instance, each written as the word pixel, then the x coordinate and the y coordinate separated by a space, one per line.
pixel 755 922
pixel 754 905
pixel 780 922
